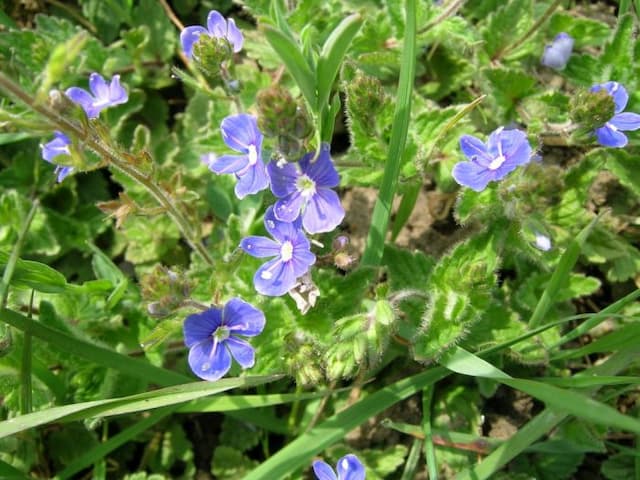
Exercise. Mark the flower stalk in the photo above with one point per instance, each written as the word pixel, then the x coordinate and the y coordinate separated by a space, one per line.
pixel 115 160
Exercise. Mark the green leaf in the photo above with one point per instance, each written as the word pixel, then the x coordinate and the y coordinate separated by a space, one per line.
pixel 625 167
pixel 94 353
pixel 576 404
pixel 618 54
pixel 36 275
pixel 459 292
pixel 296 64
pixel 331 56
pixel 505 25
pixel 134 403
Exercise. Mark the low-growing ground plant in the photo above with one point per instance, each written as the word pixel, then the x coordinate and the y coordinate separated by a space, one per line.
pixel 338 240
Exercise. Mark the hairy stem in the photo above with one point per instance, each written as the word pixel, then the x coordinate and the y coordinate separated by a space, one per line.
pixel 115 160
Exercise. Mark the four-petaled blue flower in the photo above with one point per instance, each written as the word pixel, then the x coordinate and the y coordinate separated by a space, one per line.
pixel 557 53
pixel 306 192
pixel 291 249
pixel 58 146
pixel 610 134
pixel 102 95
pixel 212 338
pixel 348 467
pixel 504 151
pixel 217 27
pixel 241 133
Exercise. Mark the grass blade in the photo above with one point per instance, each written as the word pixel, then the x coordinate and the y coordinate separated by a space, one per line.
pixel 289 51
pixel 102 356
pixel 103 449
pixel 299 453
pixel 382 211
pixel 131 404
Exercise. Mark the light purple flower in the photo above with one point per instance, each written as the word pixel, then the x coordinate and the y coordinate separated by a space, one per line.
pixel 102 95
pixel 503 152
pixel 291 249
pixel 217 27
pixel 241 133
pixel 58 146
pixel 348 467
pixel 557 53
pixel 212 338
pixel 610 134
pixel 305 190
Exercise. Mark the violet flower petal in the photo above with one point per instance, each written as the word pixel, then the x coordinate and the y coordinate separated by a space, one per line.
pixel 349 467
pixel 209 365
pixel 260 247
pixel 216 24
pixel 240 132
pixel 473 147
pixel 84 99
pixel 252 180
pixel 229 164
pixel 234 35
pixel 609 136
pixel 274 278
pixel 189 36
pixel 626 121
pixel 471 175
pixel 322 170
pixel 323 471
pixel 283 178
pixel 200 326
pixel 241 351
pixel 323 212
pixel 242 318
pixel 288 209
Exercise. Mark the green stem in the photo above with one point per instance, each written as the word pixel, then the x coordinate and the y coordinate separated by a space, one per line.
pixel 382 210
pixel 26 399
pixel 543 18
pixel 115 160
pixel 429 449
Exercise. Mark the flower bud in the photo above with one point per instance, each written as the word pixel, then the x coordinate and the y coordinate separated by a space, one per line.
pixel 592 109
pixel 210 52
pixel 276 111
pixel 340 243
pixel 556 54
pixel 365 98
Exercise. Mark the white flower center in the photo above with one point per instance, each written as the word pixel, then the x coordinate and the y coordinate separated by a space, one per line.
pixel 306 186
pixel 286 251
pixel 221 334
pixel 253 155
pixel 496 162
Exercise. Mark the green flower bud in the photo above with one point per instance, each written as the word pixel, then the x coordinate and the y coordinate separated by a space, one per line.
pixel 365 99
pixel 592 109
pixel 209 53
pixel 165 290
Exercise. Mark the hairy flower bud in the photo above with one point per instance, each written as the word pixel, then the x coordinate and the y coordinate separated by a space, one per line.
pixel 365 98
pixel 592 109
pixel 210 52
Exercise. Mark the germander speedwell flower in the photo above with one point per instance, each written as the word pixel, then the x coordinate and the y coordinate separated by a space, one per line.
pixel 58 146
pixel 102 95
pixel 241 133
pixel 291 249
pixel 610 134
pixel 217 27
pixel 306 190
pixel 557 53
pixel 213 338
pixel 348 467
pixel 503 152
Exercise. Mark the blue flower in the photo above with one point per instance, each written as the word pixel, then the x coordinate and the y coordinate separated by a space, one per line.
pixel 241 133
pixel 217 27
pixel 504 151
pixel 305 190
pixel 542 242
pixel 212 338
pixel 58 146
pixel 610 134
pixel 556 55
pixel 291 249
pixel 348 467
pixel 102 95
